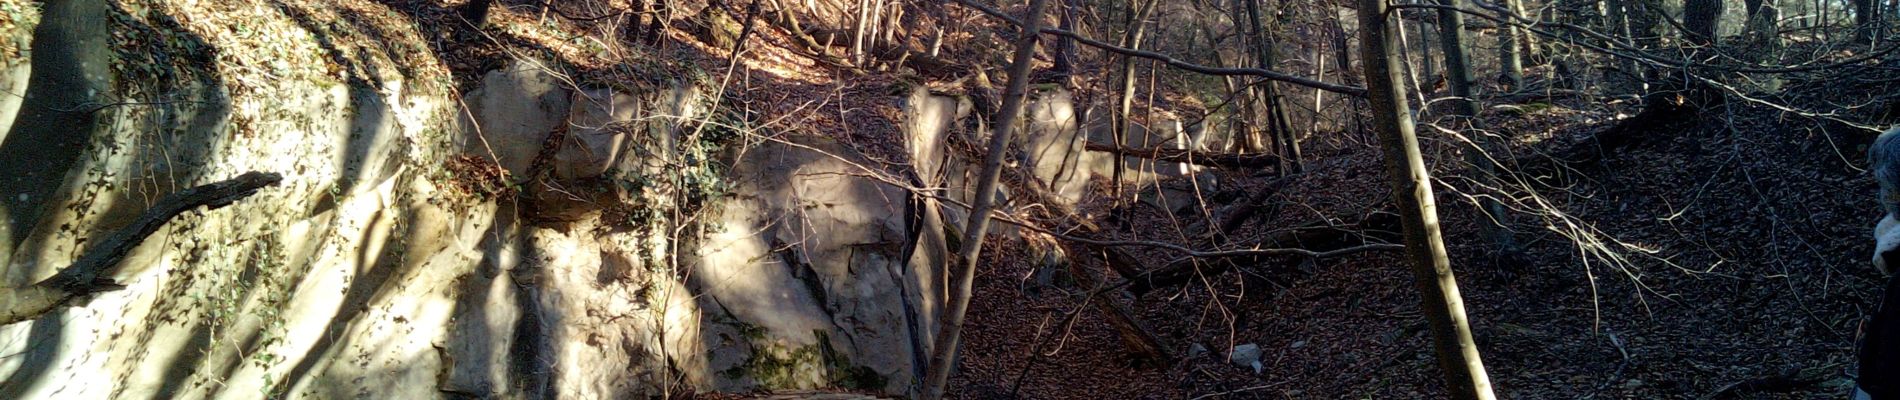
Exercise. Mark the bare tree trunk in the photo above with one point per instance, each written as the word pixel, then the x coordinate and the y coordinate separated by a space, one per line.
pixel 875 23
pixel 944 357
pixel 1065 47
pixel 1458 74
pixel 1279 130
pixel 1409 72
pixel 1701 20
pixel 1235 127
pixel 1620 26
pixel 858 32
pixel 1342 56
pixel 893 19
pixel 1866 17
pixel 475 12
pixel 1764 23
pixel 1249 138
pixel 1134 26
pixel 630 29
pixel 942 10
pixel 1319 96
pixel 1428 80
pixel 1510 55
pixel 1412 193
pixel 656 27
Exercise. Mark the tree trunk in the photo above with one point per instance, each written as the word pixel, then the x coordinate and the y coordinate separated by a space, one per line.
pixel 1764 24
pixel 1236 129
pixel 630 28
pixel 858 32
pixel 944 355
pixel 1619 20
pixel 1510 56
pixel 1465 110
pixel 874 25
pixel 476 12
pixel 1412 194
pixel 1065 47
pixel 1866 16
pixel 1279 130
pixel 1132 27
pixel 1342 56
pixel 1429 77
pixel 657 26
pixel 1249 138
pixel 1701 20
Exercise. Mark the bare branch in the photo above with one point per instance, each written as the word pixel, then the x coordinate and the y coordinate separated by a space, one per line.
pixel 1171 61
pixel 1205 158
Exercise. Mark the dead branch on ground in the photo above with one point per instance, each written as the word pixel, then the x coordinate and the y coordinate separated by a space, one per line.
pixel 91 273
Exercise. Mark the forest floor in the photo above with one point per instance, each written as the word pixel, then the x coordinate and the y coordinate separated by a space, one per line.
pixel 1721 256
pixel 1724 256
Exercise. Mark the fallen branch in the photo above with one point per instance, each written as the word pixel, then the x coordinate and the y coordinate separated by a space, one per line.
pixel 784 19
pixel 1316 241
pixel 1132 332
pixel 89 274
pixel 1247 208
pixel 1203 158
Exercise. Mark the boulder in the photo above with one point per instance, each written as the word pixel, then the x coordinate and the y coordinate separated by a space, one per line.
pixel 806 275
pixel 512 113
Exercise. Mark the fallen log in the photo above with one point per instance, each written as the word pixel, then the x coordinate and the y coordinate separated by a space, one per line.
pixel 1202 158
pixel 1378 227
pixel 1232 217
pixel 1133 334
pixel 90 274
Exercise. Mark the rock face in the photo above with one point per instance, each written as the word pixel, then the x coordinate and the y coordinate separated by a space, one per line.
pixel 806 279
pixel 535 244
pixel 1052 144
pixel 546 240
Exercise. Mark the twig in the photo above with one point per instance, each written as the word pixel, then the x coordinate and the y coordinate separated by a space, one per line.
pixel 1241 390
pixel 1171 61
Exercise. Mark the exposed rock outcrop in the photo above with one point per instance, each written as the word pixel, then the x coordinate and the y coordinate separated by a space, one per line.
pixel 627 250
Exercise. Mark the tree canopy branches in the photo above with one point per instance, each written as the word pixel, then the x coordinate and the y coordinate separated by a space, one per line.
pixel 1173 62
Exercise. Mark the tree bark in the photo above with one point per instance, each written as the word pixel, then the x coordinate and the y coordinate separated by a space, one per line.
pixel 1412 194
pixel 476 12
pixel 1510 56
pixel 858 31
pixel 1764 23
pixel 1866 18
pixel 90 273
pixel 1701 21
pixel 1279 130
pixel 944 357
pixel 657 26
pixel 1246 128
pixel 1065 47
pixel 1133 27
pixel 1465 112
